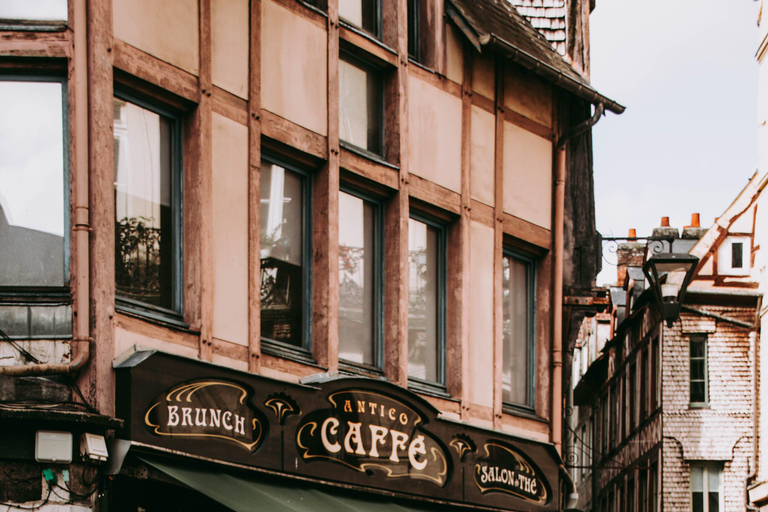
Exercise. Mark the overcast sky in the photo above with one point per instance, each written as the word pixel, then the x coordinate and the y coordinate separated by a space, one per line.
pixel 686 71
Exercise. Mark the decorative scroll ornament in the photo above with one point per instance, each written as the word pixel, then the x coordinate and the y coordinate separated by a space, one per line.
pixel 364 430
pixel 207 409
pixel 283 406
pixel 463 444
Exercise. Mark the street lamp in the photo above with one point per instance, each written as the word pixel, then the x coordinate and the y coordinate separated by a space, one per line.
pixel 669 275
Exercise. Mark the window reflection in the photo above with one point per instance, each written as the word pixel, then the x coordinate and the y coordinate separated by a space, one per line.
pixel 32 191
pixel 423 290
pixel 360 108
pixel 516 297
pixel 282 230
pixel 357 258
pixel 143 205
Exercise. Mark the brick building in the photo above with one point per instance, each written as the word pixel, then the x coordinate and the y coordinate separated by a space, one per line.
pixel 313 254
pixel 666 416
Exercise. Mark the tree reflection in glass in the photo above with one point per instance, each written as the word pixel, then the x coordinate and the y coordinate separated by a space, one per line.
pixel 423 348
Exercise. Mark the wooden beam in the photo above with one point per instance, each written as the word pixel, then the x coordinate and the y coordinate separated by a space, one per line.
pixel 293 135
pixel 254 189
pixel 147 67
pixel 498 232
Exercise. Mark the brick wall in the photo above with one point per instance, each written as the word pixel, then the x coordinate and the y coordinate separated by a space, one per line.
pixel 721 431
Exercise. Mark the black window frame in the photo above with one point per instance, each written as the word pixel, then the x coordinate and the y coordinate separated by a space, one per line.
pixel 703 339
pixel 530 261
pixel 438 387
pixel 175 315
pixel 378 72
pixel 31 296
pixel 378 284
pixel 302 353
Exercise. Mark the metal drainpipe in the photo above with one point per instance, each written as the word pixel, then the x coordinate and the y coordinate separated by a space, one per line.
pixel 81 340
pixel 753 339
pixel 559 248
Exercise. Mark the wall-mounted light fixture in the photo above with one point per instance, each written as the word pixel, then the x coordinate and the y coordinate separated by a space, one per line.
pixel 669 275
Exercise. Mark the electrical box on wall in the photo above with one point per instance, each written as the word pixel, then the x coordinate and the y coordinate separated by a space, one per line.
pixel 53 447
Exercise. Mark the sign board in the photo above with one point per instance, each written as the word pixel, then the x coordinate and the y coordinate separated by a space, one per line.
pixel 354 431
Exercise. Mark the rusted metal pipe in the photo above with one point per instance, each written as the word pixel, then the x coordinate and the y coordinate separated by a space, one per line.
pixel 81 351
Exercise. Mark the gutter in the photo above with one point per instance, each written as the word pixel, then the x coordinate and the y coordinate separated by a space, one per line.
pixel 549 73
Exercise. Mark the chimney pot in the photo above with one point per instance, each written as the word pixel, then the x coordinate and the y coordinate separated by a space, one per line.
pixel 665 222
pixel 632 233
pixel 695 221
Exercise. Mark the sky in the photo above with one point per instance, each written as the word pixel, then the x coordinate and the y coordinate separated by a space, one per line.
pixel 687 142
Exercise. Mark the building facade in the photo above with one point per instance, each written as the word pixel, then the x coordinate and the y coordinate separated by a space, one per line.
pixel 667 416
pixel 255 250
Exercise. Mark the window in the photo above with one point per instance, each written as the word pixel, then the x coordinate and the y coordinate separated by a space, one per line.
pixel 733 256
pixel 414 19
pixel 148 226
pixel 518 329
pixel 360 279
pixel 643 491
pixel 364 14
pixel 653 477
pixel 631 495
pixel 361 105
pixel 698 362
pixel 632 397
pixel 655 369
pixel 614 416
pixel 644 382
pixel 706 482
pixel 285 254
pixel 426 301
pixel 34 208
pixel 26 11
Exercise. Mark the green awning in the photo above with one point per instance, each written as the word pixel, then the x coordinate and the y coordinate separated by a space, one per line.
pixel 243 495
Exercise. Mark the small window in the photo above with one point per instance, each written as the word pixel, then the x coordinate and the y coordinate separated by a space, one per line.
pixel 698 366
pixel 14 13
pixel 148 225
pixel 706 488
pixel 426 303
pixel 361 105
pixel 285 254
pixel 364 14
pixel 733 256
pixel 631 495
pixel 518 301
pixel 413 30
pixel 361 273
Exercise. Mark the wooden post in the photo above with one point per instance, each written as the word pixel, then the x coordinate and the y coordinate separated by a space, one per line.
pixel 498 232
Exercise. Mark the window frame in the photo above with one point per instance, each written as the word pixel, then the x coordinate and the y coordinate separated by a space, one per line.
pixel 707 467
pixel 48 295
pixel 699 338
pixel 174 316
pixel 378 30
pixel 530 261
pixel 272 346
pixel 354 60
pixel 378 282
pixel 438 387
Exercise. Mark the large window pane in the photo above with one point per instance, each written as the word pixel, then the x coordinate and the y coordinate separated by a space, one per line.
pixel 358 260
pixel 33 10
pixel 146 218
pixel 361 13
pixel 360 104
pixel 282 254
pixel 517 289
pixel 32 184
pixel 425 296
pixel 698 369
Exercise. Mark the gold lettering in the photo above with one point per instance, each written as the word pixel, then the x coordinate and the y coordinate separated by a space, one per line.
pixel 361 406
pixel 382 411
pixel 373 407
pixel 403 418
pixel 347 406
pixel 391 414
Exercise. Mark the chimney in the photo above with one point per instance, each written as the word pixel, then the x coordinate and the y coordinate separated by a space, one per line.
pixel 694 231
pixel 628 254
pixel 665 231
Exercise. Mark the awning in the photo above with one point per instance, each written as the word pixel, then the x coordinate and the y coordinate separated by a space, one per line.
pixel 243 495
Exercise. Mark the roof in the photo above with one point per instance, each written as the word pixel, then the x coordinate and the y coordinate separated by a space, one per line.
pixel 498 25
pixel 547 17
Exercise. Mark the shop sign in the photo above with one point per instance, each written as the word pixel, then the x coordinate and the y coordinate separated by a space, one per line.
pixel 365 430
pixel 505 470
pixel 206 409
